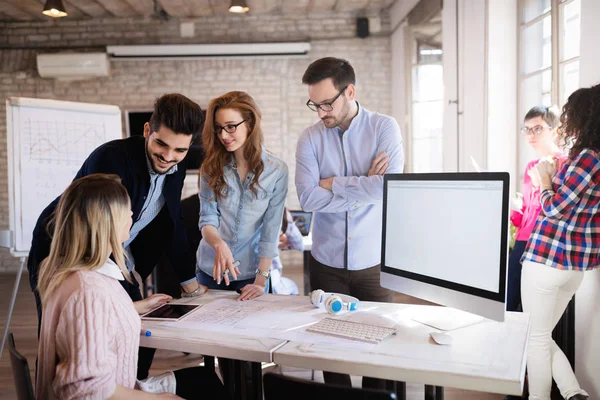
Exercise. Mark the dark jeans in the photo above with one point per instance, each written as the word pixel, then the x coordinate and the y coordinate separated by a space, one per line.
pixel 199 383
pixel 364 285
pixel 513 281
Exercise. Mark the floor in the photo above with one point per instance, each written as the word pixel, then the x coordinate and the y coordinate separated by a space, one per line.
pixel 24 327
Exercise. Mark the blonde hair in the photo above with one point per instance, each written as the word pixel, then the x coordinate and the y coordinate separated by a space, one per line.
pixel 86 228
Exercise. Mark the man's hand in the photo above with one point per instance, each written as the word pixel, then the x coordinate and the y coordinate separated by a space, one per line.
pixel 379 164
pixel 326 183
pixel 192 286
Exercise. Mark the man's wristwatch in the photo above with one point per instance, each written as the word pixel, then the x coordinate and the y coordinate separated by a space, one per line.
pixel 266 274
pixel 195 293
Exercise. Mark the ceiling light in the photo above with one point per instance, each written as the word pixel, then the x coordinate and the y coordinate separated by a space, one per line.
pixel 239 7
pixel 55 9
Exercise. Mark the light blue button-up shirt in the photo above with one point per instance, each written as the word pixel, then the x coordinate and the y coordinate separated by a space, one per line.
pixel 249 224
pixel 347 222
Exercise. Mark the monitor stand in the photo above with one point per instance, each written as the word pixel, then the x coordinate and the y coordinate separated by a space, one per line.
pixel 447 318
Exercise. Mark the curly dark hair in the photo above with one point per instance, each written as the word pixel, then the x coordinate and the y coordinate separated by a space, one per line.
pixel 580 121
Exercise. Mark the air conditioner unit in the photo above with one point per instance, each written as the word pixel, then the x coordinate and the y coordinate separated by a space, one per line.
pixel 169 51
pixel 73 65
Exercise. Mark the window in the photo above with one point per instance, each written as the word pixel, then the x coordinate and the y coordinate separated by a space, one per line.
pixel 428 111
pixel 570 23
pixel 427 97
pixel 549 58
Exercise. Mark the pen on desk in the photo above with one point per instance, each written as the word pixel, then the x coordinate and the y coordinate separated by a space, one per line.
pixel 145 332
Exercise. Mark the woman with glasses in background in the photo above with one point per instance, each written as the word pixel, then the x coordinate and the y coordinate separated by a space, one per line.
pixel 539 128
pixel 564 243
pixel 242 194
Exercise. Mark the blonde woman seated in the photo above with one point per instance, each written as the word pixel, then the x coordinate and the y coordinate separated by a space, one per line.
pixel 90 329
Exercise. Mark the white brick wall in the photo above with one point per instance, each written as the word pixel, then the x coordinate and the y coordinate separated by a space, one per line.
pixel 274 83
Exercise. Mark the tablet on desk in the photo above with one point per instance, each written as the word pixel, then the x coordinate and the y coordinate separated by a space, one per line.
pixel 170 312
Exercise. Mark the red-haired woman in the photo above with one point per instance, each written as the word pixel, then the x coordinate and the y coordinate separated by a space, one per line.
pixel 242 194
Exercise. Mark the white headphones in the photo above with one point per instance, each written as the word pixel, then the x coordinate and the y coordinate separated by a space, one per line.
pixel 334 303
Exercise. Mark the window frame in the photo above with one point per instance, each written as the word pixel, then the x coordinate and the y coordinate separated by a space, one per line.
pixel 556 64
pixel 555 12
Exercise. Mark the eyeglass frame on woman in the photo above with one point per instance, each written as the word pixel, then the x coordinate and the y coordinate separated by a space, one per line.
pixel 526 130
pixel 219 129
pixel 310 104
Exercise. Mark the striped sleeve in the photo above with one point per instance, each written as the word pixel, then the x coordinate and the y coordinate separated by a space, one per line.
pixel 578 179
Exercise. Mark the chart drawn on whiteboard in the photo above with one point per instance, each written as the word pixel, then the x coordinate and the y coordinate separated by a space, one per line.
pixel 62 142
pixel 50 141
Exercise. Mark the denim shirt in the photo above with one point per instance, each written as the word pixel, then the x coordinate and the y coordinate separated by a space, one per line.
pixel 248 223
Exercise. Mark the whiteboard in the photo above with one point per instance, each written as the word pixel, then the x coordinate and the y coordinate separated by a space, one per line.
pixel 48 141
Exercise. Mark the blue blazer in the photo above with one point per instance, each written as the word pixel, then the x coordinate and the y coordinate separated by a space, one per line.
pixel 164 235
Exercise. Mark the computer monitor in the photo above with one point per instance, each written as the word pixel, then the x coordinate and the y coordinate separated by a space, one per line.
pixel 445 240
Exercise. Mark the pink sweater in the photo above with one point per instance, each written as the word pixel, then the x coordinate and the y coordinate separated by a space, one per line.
pixel 89 339
pixel 525 219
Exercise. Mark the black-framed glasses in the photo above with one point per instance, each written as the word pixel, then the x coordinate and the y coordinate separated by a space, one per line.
pixel 324 106
pixel 229 128
pixel 536 130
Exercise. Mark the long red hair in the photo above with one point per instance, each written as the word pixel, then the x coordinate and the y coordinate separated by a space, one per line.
pixel 216 154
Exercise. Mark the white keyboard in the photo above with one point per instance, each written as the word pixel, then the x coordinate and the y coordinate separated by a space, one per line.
pixel 351 330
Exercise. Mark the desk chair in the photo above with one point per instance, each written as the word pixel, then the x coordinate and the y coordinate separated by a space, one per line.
pixel 20 369
pixel 282 387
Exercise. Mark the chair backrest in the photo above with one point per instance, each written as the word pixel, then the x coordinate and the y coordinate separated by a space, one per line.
pixel 20 369
pixel 284 387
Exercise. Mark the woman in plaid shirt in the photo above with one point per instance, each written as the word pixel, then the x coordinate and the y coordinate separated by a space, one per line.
pixel 564 243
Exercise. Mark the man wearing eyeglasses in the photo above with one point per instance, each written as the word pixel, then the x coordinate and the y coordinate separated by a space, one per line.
pixel 340 162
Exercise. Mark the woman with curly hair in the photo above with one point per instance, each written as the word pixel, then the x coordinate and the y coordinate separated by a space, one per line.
pixel 242 194
pixel 564 243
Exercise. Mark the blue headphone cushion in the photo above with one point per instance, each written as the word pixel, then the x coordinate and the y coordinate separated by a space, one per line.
pixel 336 306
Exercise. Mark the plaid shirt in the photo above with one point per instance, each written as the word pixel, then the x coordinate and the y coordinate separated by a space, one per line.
pixel 567 231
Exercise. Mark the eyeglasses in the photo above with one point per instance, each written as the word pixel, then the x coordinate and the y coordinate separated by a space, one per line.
pixel 229 128
pixel 324 106
pixel 536 130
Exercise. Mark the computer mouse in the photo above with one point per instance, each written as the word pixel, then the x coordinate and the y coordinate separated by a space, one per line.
pixel 441 338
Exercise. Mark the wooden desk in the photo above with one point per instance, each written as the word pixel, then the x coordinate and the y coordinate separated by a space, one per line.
pixel 487 357
pixel 210 343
